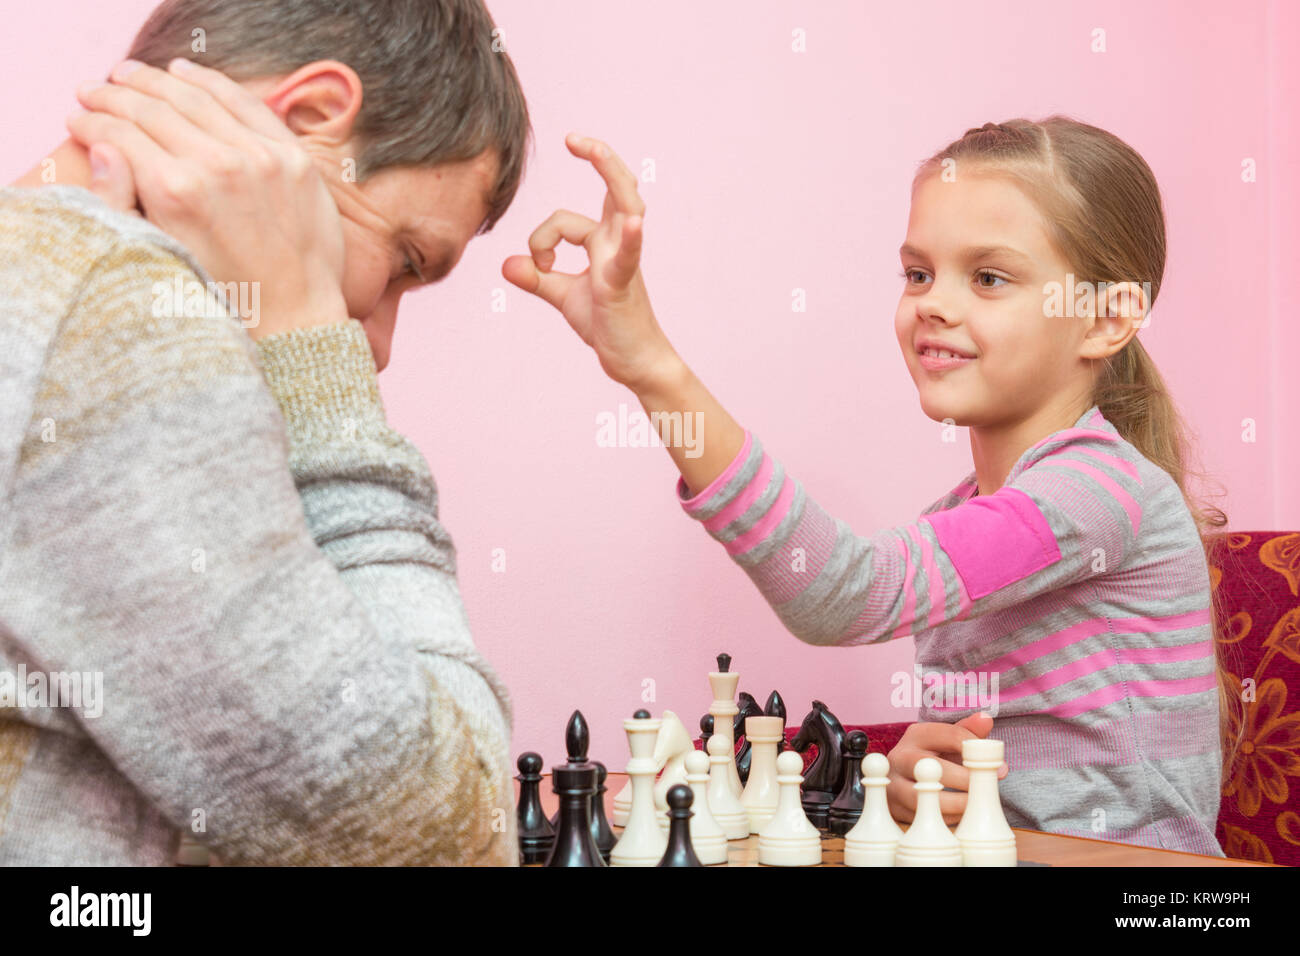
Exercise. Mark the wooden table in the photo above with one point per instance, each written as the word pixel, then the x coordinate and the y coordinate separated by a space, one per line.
pixel 1031 845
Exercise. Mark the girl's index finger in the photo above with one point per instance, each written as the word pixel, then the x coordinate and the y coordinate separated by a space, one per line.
pixel 618 178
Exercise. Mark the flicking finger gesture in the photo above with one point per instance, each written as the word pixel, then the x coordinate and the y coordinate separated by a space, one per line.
pixel 606 304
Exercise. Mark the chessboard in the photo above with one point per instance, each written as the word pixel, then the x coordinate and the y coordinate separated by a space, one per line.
pixel 1035 847
pixel 818 799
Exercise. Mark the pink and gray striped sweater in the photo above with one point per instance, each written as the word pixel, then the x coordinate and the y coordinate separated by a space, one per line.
pixel 1076 598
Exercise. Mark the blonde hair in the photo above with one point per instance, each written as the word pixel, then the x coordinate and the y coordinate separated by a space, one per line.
pixel 1102 208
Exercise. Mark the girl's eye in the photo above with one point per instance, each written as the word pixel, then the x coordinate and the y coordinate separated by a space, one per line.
pixel 911 275
pixel 985 274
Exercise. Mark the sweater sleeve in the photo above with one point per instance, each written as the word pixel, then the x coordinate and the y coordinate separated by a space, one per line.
pixel 371 505
pixel 1074 513
pixel 296 672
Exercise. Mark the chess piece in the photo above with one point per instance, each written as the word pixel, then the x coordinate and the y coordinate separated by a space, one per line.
pixel 671 747
pixel 679 851
pixel 822 781
pixel 706 731
pixel 748 708
pixel 928 841
pixel 762 793
pixel 723 684
pixel 536 835
pixel 874 838
pixel 707 836
pixel 985 837
pixel 600 831
pixel 723 804
pixel 775 707
pixel 847 806
pixel 789 839
pixel 642 842
pixel 576 738
pixel 623 799
pixel 574 784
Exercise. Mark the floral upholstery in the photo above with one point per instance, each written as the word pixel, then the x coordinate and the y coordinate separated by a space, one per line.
pixel 1257 575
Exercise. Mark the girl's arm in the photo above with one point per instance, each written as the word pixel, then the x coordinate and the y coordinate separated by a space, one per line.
pixel 676 391
pixel 1069 518
pixel 1070 512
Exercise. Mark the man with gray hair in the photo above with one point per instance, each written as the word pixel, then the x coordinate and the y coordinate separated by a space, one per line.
pixel 212 512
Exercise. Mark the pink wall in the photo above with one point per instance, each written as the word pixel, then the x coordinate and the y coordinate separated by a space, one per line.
pixel 778 170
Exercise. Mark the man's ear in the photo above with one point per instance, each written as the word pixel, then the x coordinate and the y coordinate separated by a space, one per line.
pixel 111 178
pixel 319 101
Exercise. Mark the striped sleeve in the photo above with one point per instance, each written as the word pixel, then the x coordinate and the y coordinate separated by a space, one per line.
pixel 1071 513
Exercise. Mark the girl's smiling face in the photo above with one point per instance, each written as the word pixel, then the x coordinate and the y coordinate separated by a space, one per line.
pixel 975 261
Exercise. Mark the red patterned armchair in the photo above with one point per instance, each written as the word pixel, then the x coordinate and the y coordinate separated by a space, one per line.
pixel 1257 577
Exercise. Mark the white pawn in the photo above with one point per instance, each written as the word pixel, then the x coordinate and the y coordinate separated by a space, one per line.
pixel 874 838
pixel 761 791
pixel 707 838
pixel 642 842
pixel 985 837
pixel 723 804
pixel 928 841
pixel 789 839
pixel 671 748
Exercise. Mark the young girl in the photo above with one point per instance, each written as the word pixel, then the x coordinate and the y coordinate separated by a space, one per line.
pixel 1069 565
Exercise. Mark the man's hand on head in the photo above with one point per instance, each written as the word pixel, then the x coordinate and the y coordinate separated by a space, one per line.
pixel 111 179
pixel 212 165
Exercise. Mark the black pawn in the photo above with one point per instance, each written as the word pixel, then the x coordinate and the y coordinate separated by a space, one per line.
pixel 680 852
pixel 576 739
pixel 600 829
pixel 706 731
pixel 775 707
pixel 641 714
pixel 847 805
pixel 536 835
pixel 574 785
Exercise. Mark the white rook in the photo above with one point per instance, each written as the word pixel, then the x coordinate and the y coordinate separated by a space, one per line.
pixel 986 838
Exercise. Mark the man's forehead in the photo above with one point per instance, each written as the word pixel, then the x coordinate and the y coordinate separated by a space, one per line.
pixel 453 197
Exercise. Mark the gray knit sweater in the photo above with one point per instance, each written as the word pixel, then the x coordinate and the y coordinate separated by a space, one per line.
pixel 231 543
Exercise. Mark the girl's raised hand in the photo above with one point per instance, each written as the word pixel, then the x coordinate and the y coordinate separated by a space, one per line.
pixel 606 304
